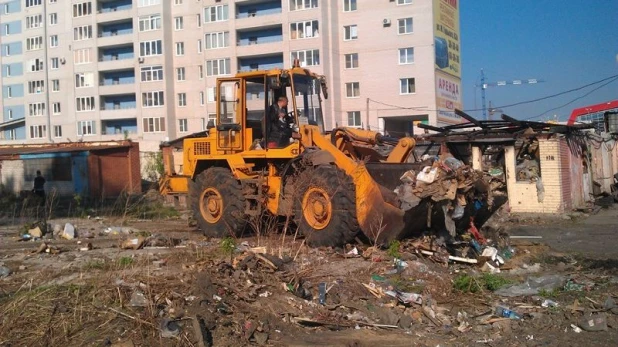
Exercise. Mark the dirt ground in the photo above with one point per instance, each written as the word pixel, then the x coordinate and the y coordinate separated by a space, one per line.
pixel 182 289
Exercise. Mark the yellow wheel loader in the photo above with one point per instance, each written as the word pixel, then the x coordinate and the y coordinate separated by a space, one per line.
pixel 333 186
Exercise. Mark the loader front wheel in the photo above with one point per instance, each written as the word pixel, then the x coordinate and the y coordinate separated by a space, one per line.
pixel 325 206
pixel 218 203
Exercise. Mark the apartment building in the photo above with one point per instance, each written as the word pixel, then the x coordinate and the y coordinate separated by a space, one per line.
pixel 76 70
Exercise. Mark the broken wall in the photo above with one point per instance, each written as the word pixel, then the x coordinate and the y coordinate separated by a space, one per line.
pixel 558 176
pixel 604 163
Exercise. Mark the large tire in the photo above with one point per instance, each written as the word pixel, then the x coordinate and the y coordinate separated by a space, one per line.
pixel 320 190
pixel 217 202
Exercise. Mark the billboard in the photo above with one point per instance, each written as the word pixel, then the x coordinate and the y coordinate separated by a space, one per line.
pixel 448 97
pixel 446 36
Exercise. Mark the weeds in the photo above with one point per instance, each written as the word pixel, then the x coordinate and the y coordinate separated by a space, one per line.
pixel 228 245
pixel 125 262
pixel 393 249
pixel 471 284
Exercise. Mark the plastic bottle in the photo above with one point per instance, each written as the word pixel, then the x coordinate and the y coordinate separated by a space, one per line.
pixel 506 313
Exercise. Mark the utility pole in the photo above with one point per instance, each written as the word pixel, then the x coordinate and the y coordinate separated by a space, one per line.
pixel 484 85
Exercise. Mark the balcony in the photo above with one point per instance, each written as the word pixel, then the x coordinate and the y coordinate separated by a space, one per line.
pixel 113 10
pixel 260 36
pixel 119 28
pixel 262 62
pixel 119 127
pixel 116 57
pixel 119 106
pixel 117 82
pixel 257 8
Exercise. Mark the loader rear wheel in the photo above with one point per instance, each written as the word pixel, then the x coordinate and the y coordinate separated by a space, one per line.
pixel 325 206
pixel 218 203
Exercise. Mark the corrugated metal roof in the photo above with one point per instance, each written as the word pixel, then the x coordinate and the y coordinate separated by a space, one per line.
pixel 14 151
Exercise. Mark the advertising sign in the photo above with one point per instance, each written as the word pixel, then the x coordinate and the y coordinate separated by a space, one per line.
pixel 446 36
pixel 448 96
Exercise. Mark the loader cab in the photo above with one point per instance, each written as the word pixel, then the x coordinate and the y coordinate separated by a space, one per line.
pixel 244 103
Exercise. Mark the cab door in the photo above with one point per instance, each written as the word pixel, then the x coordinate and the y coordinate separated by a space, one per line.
pixel 230 106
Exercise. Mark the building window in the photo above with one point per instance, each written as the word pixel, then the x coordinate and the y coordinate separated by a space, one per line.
pixel 309 57
pixel 180 48
pixel 53 41
pixel 7 70
pixel 84 104
pixel 84 80
pixel 86 128
pixel 217 40
pixel 148 23
pixel 183 126
pixel 179 23
pixel 354 119
pixel 182 99
pixel 34 43
pixel 297 5
pixel 35 65
pixel 202 98
pixel 55 64
pixel 218 67
pixel 407 86
pixel 32 3
pixel 56 108
pixel 53 19
pixel 36 109
pixel 9 92
pixel 216 13
pixel 404 2
pixel 82 56
pixel 144 3
pixel 351 61
pixel 154 124
pixel 199 20
pixel 199 46
pixel 7 50
pixel 200 71
pixel 32 22
pixel 405 25
pixel 349 5
pixel 211 94
pixel 153 99
pixel 10 114
pixel 82 33
pixel 350 32
pixel 53 1
pixel 55 85
pixel 150 48
pixel 83 9
pixel 304 30
pixel 352 90
pixel 152 73
pixel 38 131
pixel 57 131
pixel 406 55
pixel 36 87
pixel 180 74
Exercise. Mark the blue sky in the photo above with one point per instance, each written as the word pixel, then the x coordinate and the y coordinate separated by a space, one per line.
pixel 568 43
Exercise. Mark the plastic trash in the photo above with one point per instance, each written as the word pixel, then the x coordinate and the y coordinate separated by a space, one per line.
pixel 406 298
pixel 4 271
pixel 549 303
pixel 169 328
pixel 458 212
pixel 427 175
pixel 138 299
pixel 597 322
pixel 532 286
pixel 453 163
pixel 322 293
pixel 504 312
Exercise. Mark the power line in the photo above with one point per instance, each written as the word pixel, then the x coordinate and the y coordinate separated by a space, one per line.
pixel 610 79
pixel 572 101
pixel 551 96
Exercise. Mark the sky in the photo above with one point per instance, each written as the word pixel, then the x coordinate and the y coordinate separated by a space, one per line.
pixel 567 43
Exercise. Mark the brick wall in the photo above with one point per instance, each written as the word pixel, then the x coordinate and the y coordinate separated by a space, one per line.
pixel 523 195
pixel 114 171
pixel 12 174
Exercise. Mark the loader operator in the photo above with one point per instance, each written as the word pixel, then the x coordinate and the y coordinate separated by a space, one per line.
pixel 280 131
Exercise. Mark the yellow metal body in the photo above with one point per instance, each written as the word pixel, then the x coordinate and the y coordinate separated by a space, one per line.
pixel 232 147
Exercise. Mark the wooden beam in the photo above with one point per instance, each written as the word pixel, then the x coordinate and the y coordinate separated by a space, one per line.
pixel 468 117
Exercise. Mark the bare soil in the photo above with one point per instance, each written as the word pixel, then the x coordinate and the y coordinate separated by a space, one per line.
pixel 88 298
